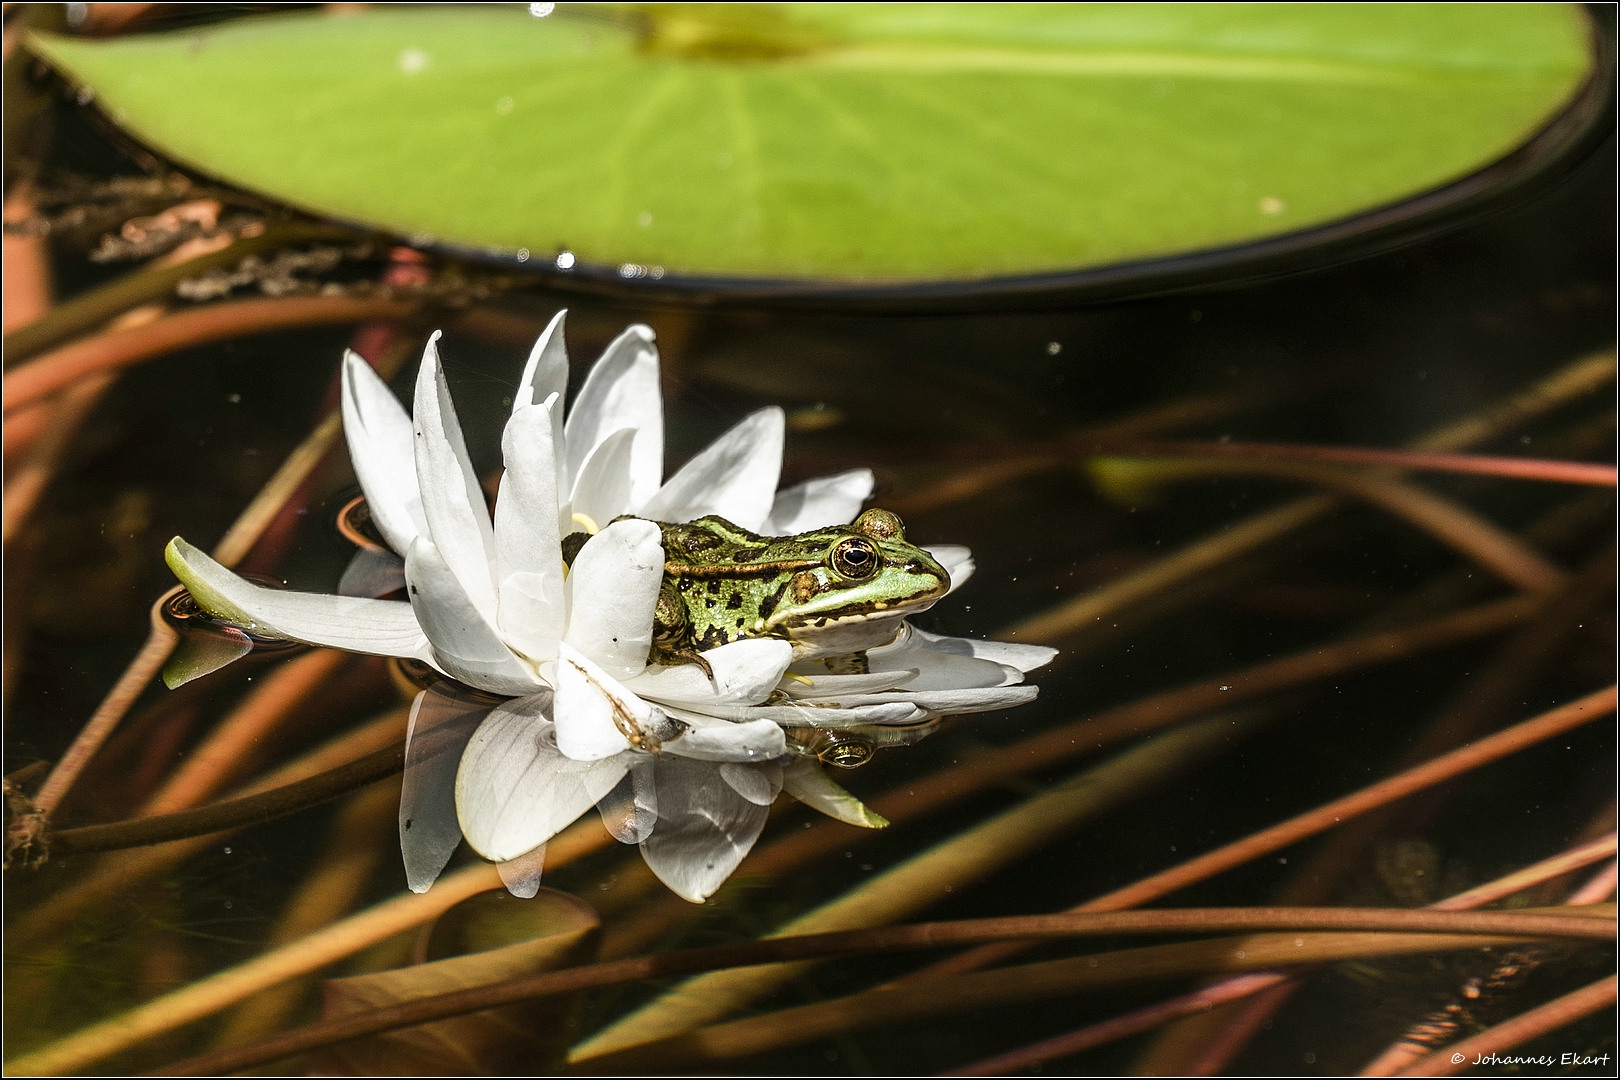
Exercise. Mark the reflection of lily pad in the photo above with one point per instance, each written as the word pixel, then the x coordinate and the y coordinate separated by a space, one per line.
pixel 859 143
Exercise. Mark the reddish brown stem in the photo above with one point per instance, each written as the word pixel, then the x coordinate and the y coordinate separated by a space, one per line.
pixel 1266 841
pixel 48 374
pixel 1560 472
pixel 924 935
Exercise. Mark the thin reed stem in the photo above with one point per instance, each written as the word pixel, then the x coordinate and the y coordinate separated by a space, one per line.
pixel 1006 986
pixel 25 837
pixel 918 798
pixel 118 872
pixel 1544 469
pixel 1446 767
pixel 234 813
pixel 54 371
pixel 100 305
pixel 1247 986
pixel 888 939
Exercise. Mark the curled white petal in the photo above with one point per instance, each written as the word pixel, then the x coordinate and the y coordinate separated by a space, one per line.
pixel 957 561
pixel 612 590
pixel 815 504
pixel 515 790
pixel 707 739
pixel 452 500
pixel 596 717
pixel 443 718
pixel 602 490
pixel 622 391
pixel 1024 658
pixel 705 828
pixel 356 624
pixel 465 645
pixel 811 685
pixel 735 476
pixel 630 810
pixel 938 663
pixel 759 784
pixel 382 450
pixel 531 607
pixel 745 673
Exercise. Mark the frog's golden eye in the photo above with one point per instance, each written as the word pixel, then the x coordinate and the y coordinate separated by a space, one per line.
pixel 855 558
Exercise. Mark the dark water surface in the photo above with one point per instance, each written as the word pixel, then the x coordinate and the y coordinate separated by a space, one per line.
pixel 1369 354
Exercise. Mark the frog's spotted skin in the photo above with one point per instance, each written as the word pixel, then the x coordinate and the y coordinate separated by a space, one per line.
pixel 826 588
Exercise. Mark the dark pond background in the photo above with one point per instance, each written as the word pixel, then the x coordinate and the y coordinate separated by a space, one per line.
pixel 1371 353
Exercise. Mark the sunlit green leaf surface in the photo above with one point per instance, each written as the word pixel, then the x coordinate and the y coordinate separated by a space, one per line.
pixel 851 143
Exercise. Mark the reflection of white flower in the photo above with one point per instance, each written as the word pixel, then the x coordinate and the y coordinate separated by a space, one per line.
pixel 682 763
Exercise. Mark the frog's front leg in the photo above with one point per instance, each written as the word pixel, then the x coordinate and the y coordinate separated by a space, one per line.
pixel 672 631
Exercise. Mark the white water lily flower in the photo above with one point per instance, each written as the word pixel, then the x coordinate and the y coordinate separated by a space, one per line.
pixel 683 762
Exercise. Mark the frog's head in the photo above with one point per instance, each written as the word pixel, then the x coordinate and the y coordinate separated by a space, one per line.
pixel 864 573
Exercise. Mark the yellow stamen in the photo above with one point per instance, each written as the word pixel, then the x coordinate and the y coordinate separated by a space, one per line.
pixel 800 678
pixel 585 520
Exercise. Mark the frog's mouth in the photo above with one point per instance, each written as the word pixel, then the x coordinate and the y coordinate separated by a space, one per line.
pixel 925 581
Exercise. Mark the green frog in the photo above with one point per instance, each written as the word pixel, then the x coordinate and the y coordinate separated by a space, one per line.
pixel 833 592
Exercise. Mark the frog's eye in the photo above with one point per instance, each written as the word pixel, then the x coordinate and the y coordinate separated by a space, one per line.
pixel 855 558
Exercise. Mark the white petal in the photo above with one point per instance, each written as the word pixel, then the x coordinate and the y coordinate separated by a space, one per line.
pixel 759 784
pixel 815 504
pixel 443 718
pixel 612 591
pixel 356 624
pixel 1024 658
pixel 745 673
pixel 521 875
pixel 622 391
pixel 704 828
pixel 847 713
pixel 382 450
pixel 735 476
pixel 532 608
pixel 957 561
pixel 630 810
pixel 810 686
pixel 805 780
pixel 597 717
pixel 947 702
pixel 464 643
pixel 602 491
pixel 939 664
pixel 452 501
pixel 516 790
pixel 708 739
pixel 546 374
pixel 372 573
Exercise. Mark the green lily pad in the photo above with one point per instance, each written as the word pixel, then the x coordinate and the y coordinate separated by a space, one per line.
pixel 844 144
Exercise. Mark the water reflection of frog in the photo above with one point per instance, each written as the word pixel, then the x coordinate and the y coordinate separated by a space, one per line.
pixel 832 591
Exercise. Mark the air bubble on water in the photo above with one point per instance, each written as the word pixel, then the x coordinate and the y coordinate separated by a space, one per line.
pixel 565 260
pixel 540 11
pixel 504 106
pixel 644 219
pixel 1053 348
pixel 523 255
pixel 412 61
pixel 632 270
pixel 1272 205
